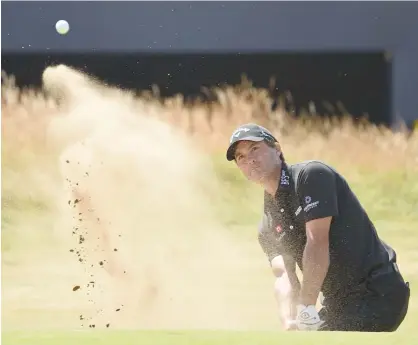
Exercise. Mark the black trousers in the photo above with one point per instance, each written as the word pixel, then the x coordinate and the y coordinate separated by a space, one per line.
pixel 381 308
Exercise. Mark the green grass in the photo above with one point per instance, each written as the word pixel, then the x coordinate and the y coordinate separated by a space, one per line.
pixel 204 338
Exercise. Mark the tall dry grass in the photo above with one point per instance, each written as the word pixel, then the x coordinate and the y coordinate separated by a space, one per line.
pixel 27 112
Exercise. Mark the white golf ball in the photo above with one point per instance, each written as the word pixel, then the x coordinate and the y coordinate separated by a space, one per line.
pixel 62 27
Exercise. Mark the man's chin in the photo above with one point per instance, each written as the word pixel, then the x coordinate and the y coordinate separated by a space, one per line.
pixel 256 179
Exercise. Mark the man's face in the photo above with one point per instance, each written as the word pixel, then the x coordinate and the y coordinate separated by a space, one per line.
pixel 256 160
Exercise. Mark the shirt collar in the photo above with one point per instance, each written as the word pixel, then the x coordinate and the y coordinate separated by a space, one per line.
pixel 285 179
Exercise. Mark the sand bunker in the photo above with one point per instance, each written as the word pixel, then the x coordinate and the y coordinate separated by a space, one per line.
pixel 133 225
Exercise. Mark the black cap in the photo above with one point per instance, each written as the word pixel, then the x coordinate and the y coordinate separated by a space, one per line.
pixel 251 132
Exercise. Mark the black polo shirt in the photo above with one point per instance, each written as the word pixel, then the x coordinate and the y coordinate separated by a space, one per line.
pixel 320 191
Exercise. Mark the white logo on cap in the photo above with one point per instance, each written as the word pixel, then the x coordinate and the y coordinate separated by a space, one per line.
pixel 237 133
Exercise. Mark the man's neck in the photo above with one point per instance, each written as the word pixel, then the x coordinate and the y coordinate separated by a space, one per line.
pixel 271 184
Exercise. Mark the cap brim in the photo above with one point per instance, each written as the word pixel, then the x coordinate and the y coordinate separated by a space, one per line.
pixel 230 153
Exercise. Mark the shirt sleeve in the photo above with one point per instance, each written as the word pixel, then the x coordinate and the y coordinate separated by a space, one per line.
pixel 317 190
pixel 266 240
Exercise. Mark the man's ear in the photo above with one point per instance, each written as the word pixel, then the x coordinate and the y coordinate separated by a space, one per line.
pixel 279 151
pixel 278 148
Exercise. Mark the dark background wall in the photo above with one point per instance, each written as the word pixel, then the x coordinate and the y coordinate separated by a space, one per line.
pixel 361 53
pixel 309 77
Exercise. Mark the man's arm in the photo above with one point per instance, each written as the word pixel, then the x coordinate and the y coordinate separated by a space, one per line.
pixel 286 286
pixel 318 192
pixel 315 260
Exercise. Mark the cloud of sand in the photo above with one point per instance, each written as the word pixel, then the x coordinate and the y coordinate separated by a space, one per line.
pixel 149 239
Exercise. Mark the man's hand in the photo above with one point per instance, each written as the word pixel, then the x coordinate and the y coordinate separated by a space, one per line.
pixel 307 319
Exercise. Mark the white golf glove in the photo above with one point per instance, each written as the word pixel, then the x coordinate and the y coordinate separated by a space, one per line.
pixel 307 319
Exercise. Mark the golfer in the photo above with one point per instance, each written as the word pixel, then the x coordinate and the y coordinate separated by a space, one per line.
pixel 313 219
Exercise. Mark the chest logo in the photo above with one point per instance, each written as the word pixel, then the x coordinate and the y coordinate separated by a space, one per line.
pixel 279 229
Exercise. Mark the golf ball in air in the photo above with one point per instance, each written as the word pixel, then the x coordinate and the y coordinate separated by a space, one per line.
pixel 62 27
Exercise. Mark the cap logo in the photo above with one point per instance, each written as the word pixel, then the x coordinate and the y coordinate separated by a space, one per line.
pixel 237 133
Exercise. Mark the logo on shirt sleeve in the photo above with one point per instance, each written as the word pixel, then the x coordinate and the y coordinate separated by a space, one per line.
pixel 309 204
